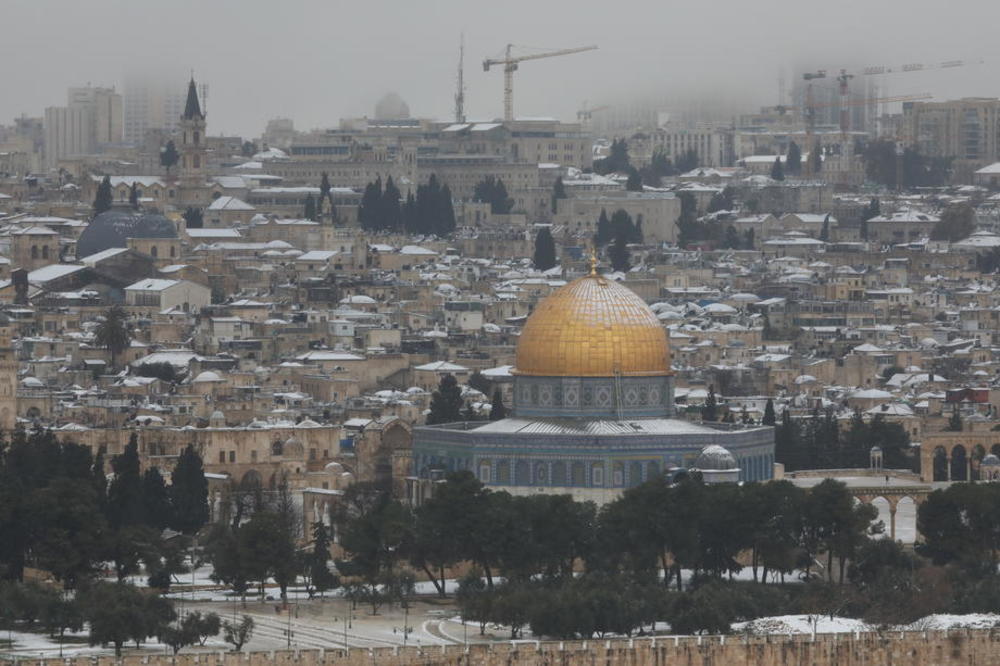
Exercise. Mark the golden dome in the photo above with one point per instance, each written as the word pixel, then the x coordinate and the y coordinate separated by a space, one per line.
pixel 593 327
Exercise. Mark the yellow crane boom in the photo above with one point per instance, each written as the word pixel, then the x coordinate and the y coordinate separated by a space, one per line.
pixel 510 62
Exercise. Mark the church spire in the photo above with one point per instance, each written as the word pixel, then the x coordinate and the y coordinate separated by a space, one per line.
pixel 192 109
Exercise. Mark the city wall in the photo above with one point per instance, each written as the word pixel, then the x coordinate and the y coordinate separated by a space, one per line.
pixel 932 648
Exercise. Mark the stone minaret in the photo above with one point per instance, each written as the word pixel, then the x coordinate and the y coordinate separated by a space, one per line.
pixel 8 379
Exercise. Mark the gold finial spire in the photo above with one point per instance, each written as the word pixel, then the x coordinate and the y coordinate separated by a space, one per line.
pixel 593 260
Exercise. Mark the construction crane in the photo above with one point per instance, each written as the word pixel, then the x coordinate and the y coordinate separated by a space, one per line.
pixel 510 63
pixel 460 83
pixel 585 114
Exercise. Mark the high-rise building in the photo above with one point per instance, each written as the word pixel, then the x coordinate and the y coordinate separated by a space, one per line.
pixel 91 119
pixel 151 103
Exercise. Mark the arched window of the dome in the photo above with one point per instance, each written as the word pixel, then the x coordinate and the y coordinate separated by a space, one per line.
pixel 485 475
pixel 503 471
pixel 618 475
pixel 559 473
pixel 541 474
pixel 597 474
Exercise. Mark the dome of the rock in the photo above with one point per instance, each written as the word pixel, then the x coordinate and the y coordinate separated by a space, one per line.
pixel 593 327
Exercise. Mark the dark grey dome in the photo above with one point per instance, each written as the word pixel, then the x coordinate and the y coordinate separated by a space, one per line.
pixel 991 460
pixel 111 228
pixel 715 458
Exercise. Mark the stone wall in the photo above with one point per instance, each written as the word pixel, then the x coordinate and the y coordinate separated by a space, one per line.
pixel 935 648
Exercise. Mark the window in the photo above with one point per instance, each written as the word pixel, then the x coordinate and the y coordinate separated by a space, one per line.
pixel 34 252
pixel 253 456
pixel 598 475
pixel 45 252
pixel 153 251
pixel 197 137
pixel 232 456
pixel 196 162
pixel 222 456
pixel 484 472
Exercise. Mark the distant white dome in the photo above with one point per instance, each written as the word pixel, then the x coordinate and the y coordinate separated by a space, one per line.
pixel 207 376
pixel 32 382
pixel 391 107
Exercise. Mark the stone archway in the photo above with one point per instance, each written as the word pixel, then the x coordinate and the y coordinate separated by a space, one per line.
pixel 959 464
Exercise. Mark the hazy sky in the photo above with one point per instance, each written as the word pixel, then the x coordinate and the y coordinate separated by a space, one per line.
pixel 319 61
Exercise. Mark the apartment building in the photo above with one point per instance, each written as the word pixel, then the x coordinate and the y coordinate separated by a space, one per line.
pixel 967 129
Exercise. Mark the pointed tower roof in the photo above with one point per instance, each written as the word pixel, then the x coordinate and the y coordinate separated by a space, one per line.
pixel 192 109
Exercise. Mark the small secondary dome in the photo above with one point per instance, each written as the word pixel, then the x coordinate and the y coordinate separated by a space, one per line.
pixel 593 327
pixel 715 458
pixel 112 228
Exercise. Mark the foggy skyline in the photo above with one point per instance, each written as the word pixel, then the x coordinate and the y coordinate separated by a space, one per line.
pixel 318 62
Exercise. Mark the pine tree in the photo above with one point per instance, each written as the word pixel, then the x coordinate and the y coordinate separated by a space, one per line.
pixel 558 192
pixel 189 492
pixel 491 190
pixel 446 402
pixel 409 214
pixel 777 171
pixel 545 250
pixel 619 253
pixel 369 212
pixel 104 197
pixel 309 210
pixel 769 419
pixel 824 233
pixel 497 409
pixel 793 159
pixel 133 195
pixel 169 156
pixel 638 236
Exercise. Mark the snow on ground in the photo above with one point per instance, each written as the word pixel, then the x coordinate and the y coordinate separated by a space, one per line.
pixel 800 624
pixel 945 621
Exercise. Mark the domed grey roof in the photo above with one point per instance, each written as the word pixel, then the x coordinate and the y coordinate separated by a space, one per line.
pixel 111 228
pixel 715 457
pixel 990 460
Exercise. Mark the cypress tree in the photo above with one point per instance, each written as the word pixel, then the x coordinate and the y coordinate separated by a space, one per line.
pixel 634 181
pixel 125 502
pixel 793 159
pixel 155 499
pixel 324 193
pixel 309 211
pixel 193 218
pixel 824 233
pixel 446 223
pixel 619 253
pixel 558 192
pixel 816 158
pixel 545 250
pixel 133 195
pixel 446 402
pixel 391 214
pixel 497 409
pixel 604 233
pixel 410 221
pixel 777 171
pixel 169 156
pixel 769 418
pixel 710 411
pixel 319 571
pixel 189 492
pixel 104 197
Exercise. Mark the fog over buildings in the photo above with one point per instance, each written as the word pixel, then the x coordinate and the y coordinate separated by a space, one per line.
pixel 316 62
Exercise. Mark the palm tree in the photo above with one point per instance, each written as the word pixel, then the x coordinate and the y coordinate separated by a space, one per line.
pixel 113 333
